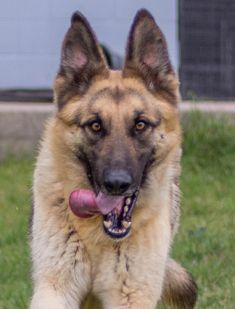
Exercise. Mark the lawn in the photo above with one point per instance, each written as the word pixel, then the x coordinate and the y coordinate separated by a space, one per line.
pixel 204 244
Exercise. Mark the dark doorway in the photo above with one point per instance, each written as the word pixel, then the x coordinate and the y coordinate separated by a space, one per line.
pixel 207 49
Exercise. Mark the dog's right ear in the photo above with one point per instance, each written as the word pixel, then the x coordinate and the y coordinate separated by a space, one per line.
pixel 81 61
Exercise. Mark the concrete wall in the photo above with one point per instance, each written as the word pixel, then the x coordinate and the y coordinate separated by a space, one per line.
pixel 26 125
pixel 31 33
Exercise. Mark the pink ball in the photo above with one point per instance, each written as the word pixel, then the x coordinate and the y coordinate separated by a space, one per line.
pixel 83 203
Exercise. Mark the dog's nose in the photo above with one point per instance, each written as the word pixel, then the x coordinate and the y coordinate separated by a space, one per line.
pixel 117 182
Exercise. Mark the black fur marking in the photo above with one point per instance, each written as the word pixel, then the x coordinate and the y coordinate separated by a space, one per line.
pixel 75 254
pixel 63 253
pixel 118 255
pixel 151 161
pixel 77 249
pixel 69 235
pixel 86 164
pixel 118 94
pixel 58 202
pixel 127 263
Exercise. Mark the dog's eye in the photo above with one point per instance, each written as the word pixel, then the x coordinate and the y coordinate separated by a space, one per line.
pixel 95 126
pixel 140 125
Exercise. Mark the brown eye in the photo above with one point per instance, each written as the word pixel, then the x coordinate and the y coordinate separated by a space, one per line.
pixel 140 125
pixel 95 126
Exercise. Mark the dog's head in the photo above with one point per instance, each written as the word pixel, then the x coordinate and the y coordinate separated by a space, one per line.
pixel 118 124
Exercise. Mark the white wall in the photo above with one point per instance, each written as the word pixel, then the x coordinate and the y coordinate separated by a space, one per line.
pixel 31 33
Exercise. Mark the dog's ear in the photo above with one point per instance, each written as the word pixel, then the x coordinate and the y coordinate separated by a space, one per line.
pixel 147 56
pixel 81 60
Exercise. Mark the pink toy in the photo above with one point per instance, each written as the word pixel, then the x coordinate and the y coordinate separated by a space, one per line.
pixel 85 203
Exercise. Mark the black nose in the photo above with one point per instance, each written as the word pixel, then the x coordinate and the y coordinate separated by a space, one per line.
pixel 117 181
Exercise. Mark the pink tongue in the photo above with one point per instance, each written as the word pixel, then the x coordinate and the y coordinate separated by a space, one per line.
pixel 107 203
pixel 84 203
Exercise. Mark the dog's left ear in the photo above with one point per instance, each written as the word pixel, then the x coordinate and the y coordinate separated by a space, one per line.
pixel 147 57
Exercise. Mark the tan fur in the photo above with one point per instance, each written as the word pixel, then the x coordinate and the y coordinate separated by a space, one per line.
pixel 72 257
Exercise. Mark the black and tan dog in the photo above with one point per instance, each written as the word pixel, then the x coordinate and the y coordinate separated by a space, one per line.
pixel 116 136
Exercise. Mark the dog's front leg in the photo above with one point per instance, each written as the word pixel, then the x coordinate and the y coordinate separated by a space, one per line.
pixel 61 267
pixel 59 282
pixel 46 296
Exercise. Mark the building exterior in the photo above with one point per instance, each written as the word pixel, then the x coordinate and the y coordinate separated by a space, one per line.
pixel 31 33
pixel 207 49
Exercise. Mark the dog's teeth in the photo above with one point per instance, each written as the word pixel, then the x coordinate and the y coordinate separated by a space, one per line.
pixel 107 224
pixel 128 201
pixel 109 215
pixel 126 209
pixel 126 224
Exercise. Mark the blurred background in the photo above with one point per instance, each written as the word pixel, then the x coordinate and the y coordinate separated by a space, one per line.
pixel 201 41
pixel 200 36
pixel 32 33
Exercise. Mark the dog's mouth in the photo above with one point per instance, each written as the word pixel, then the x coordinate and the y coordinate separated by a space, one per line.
pixel 116 210
pixel 117 223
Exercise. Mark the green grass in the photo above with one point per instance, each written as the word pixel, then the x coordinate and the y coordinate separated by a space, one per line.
pixel 204 244
pixel 15 185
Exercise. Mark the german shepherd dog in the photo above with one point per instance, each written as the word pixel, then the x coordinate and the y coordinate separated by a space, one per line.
pixel 106 194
